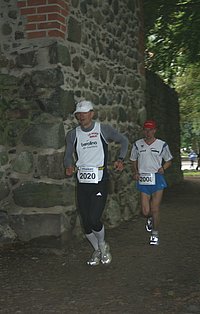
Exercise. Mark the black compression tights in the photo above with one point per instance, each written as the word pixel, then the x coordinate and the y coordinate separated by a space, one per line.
pixel 91 199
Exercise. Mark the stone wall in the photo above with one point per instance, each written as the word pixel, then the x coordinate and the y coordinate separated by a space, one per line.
pixel 53 54
pixel 162 105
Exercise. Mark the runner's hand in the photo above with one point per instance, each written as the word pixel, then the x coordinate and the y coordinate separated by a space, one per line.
pixel 119 165
pixel 136 176
pixel 161 170
pixel 69 171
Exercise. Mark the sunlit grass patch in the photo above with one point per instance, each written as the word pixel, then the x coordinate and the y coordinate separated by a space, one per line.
pixel 190 173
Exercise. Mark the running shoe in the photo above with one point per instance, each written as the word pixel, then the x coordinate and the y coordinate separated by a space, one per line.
pixel 149 224
pixel 106 256
pixel 154 240
pixel 95 258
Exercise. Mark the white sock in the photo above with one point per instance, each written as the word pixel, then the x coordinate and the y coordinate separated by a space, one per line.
pixel 93 240
pixel 100 235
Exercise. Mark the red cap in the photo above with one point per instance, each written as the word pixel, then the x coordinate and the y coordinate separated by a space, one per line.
pixel 149 124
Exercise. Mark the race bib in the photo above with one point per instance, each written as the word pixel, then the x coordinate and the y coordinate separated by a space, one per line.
pixel 88 175
pixel 147 179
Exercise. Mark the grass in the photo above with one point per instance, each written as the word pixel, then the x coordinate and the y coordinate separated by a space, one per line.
pixel 189 173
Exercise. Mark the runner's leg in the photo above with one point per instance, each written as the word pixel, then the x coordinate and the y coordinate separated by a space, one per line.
pixel 145 203
pixel 83 199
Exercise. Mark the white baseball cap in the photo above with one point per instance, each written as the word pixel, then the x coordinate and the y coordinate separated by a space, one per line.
pixel 84 106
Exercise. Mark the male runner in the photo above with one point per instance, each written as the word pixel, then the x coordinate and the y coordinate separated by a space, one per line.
pixel 150 157
pixel 90 143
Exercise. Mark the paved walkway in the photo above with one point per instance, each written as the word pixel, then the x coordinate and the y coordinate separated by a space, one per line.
pixel 186 165
pixel 141 279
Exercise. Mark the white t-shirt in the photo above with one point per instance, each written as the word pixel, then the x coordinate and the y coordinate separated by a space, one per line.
pixel 150 156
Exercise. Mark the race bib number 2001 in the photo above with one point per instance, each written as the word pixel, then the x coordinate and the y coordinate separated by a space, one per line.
pixel 88 175
pixel 147 179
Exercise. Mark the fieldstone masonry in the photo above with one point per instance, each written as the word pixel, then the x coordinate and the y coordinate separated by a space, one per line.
pixel 54 53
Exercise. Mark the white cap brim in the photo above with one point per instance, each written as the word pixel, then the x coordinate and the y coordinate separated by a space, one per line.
pixel 84 106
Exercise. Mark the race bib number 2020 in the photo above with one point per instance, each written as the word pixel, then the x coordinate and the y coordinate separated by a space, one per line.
pixel 88 175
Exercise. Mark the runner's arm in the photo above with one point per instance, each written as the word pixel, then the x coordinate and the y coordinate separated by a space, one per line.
pixel 134 160
pixel 167 157
pixel 136 174
pixel 165 166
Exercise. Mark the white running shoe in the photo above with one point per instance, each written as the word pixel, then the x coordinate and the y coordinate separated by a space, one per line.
pixel 95 258
pixel 149 224
pixel 106 256
pixel 154 240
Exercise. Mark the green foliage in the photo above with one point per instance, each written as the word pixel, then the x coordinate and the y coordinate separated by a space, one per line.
pixel 172 36
pixel 188 87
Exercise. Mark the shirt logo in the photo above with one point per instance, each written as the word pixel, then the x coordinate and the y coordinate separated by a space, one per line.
pixel 89 144
pixel 93 134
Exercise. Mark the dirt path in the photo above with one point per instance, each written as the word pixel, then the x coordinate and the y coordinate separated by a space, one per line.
pixel 141 279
